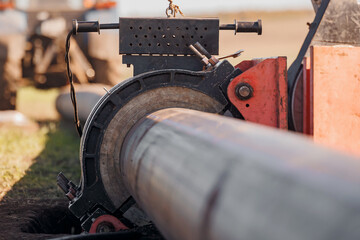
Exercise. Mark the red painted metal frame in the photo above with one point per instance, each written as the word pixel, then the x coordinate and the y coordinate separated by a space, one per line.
pixel 307 98
pixel 269 103
pixel 116 223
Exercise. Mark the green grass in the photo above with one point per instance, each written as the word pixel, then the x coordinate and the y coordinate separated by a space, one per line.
pixel 37 104
pixel 17 152
pixel 30 160
pixel 59 153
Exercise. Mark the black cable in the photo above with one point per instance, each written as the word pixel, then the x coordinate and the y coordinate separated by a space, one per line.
pixel 72 88
pixel 103 236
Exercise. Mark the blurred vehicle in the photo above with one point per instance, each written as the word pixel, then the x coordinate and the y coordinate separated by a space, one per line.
pixel 32 45
pixel 47 27
pixel 12 45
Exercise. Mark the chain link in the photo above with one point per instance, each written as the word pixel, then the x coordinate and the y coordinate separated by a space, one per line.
pixel 173 9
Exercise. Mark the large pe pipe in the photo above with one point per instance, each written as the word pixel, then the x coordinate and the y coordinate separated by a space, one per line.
pixel 203 176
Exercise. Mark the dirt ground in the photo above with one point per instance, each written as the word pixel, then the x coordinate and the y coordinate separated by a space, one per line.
pixel 283 34
pixel 18 219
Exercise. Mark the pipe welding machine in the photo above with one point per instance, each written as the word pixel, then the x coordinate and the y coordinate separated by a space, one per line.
pixel 174 67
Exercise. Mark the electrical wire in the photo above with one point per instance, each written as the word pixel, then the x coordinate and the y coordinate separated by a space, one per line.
pixel 71 82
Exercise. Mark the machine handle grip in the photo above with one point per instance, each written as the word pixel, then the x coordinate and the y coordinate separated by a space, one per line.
pixel 240 26
pixel 85 26
pixel 91 26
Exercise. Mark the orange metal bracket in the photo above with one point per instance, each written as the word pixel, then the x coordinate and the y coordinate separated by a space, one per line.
pixel 335 75
pixel 269 102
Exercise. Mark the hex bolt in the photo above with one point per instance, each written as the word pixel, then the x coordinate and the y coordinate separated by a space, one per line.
pixel 244 91
pixel 105 227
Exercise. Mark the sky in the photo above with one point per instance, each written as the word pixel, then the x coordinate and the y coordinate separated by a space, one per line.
pixel 157 7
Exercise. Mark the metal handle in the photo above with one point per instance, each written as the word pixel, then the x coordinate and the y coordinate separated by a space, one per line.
pixel 85 26
pixel 240 26
pixel 91 26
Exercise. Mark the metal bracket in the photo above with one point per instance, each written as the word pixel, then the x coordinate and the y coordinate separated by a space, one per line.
pixel 265 100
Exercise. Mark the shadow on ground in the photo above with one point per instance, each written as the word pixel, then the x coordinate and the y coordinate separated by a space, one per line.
pixel 35 208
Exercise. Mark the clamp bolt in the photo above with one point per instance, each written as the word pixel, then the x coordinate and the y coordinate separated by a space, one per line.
pixel 105 227
pixel 244 91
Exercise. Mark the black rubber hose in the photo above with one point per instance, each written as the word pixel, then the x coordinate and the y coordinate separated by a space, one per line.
pixel 103 236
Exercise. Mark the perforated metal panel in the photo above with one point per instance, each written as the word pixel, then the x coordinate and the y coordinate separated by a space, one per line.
pixel 167 35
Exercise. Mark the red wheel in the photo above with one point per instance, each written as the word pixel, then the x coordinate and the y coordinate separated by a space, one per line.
pixel 107 223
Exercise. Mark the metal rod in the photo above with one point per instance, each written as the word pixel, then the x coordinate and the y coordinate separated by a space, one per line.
pixel 203 176
pixel 197 53
pixel 201 49
pixel 109 26
pixel 95 26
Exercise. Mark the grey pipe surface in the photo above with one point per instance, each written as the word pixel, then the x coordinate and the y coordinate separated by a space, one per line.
pixel 204 176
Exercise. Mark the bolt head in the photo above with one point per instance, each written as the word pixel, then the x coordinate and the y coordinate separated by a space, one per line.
pixel 105 227
pixel 244 91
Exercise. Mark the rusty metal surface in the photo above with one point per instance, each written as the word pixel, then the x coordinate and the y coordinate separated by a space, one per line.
pixel 302 100
pixel 341 23
pixel 204 176
pixel 268 103
pixel 336 86
pixel 167 35
pixel 307 103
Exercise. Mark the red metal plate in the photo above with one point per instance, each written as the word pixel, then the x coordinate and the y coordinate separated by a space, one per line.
pixel 268 78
